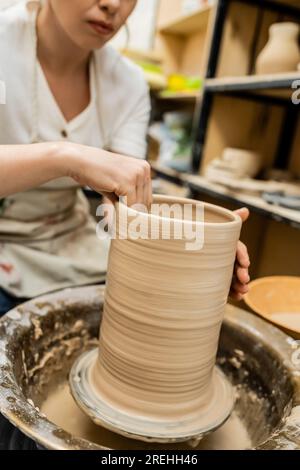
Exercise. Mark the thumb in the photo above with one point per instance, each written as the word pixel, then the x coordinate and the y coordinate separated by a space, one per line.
pixel 243 213
pixel 110 197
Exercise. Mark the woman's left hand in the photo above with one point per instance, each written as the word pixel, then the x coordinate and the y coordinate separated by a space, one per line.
pixel 241 278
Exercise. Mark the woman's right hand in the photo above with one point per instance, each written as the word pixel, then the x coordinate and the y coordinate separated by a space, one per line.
pixel 110 174
pixel 24 167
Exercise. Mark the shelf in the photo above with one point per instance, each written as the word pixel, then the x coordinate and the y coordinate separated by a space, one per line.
pixel 289 3
pixel 254 203
pixel 277 85
pixel 201 185
pixel 178 96
pixel 155 81
pixel 281 6
pixel 162 186
pixel 140 54
pixel 189 24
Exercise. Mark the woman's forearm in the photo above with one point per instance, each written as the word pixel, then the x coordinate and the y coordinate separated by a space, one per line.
pixel 23 167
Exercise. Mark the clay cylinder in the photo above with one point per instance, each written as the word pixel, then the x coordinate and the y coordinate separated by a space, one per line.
pixel 164 306
pixel 281 53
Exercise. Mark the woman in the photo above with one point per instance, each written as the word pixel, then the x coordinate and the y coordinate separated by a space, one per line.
pixel 64 83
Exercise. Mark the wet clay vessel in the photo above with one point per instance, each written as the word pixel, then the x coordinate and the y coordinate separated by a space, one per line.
pixel 154 376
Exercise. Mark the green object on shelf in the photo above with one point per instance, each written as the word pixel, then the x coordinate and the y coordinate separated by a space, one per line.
pixel 179 94
pixel 183 83
pixel 194 83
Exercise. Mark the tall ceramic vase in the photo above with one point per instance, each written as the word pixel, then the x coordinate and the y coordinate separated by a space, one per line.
pixel 281 53
pixel 155 376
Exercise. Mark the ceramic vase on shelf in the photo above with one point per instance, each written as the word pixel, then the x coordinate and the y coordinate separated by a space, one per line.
pixel 281 54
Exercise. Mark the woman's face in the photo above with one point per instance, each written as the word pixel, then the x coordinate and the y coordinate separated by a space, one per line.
pixel 91 23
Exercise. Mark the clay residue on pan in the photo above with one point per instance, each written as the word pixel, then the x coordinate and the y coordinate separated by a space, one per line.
pixel 241 331
pixel 61 409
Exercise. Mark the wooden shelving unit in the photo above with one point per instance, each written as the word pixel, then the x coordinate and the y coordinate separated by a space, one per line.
pixel 183 40
pixel 271 234
pixel 180 96
pixel 243 110
pixel 188 24
pixel 241 31
pixel 136 54
pixel 279 86
pixel 262 115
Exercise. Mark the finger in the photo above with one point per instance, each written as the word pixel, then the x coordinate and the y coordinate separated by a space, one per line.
pixel 112 197
pixel 239 288
pixel 131 197
pixel 146 195
pixel 147 185
pixel 243 213
pixel 149 194
pixel 242 255
pixel 140 188
pixel 242 274
pixel 235 296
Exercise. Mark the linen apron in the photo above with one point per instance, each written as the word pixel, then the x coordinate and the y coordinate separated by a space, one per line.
pixel 47 236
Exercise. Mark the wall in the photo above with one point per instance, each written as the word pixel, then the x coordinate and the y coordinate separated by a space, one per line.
pixel 7 3
pixel 142 25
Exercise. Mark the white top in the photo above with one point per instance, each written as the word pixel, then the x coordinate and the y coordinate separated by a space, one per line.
pixel 120 93
pixel 47 235
pixel 83 128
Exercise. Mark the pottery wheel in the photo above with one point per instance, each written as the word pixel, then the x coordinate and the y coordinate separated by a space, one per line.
pixel 210 417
